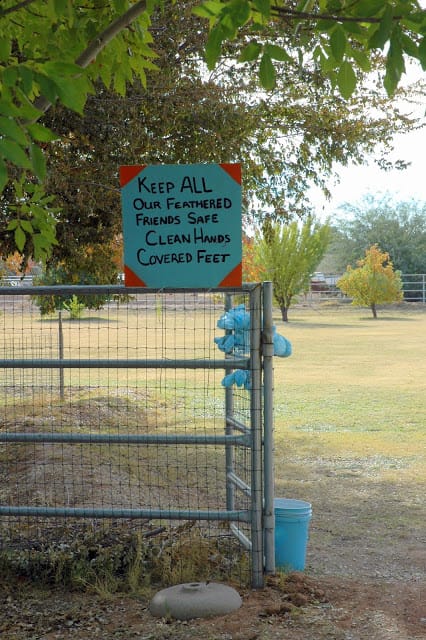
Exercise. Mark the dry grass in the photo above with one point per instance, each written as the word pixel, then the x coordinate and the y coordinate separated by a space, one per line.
pixel 350 416
pixel 350 413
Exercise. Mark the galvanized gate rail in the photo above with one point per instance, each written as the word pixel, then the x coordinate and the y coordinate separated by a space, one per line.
pixel 257 436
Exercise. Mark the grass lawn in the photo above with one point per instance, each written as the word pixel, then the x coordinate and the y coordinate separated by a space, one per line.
pixel 350 421
pixel 354 386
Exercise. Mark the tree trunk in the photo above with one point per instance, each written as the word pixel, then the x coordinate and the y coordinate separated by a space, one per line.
pixel 374 310
pixel 284 313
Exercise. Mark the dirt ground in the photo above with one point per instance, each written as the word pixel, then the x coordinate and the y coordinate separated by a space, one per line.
pixel 370 587
pixel 302 609
pixel 365 579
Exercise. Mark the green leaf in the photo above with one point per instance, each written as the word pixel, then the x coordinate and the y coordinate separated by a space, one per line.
pixel 119 83
pixel 42 247
pixel 48 88
pixel 208 9
pixel 8 109
pixel 267 72
pixel 11 151
pixel 5 48
pixel 395 65
pixel 26 75
pixel 354 28
pixel 55 69
pixel 382 34
pixel 38 161
pixel 60 6
pixel 10 76
pixel 72 93
pixel 214 45
pixel 239 12
pixel 250 52
pixel 395 54
pixel 27 226
pixel 368 8
pixel 277 53
pixel 40 133
pixel 3 175
pixel 26 110
pixel 338 43
pixel 422 53
pixel 409 46
pixel 334 5
pixel 11 129
pixel 263 6
pixel 346 79
pixel 105 74
pixel 327 64
pixel 323 26
pixel 20 238
pixel 362 59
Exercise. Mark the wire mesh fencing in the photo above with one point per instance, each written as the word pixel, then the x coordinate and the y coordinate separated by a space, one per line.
pixel 122 455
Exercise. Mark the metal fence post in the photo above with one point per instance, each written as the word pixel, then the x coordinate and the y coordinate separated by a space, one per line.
pixel 61 355
pixel 268 424
pixel 256 431
pixel 229 409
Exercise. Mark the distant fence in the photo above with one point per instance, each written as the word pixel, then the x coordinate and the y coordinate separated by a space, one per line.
pixel 323 287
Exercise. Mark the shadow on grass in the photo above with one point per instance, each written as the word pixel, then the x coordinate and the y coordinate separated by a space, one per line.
pixel 79 320
pixel 309 324
pixel 381 318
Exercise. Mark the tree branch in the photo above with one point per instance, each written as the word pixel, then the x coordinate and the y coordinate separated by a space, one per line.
pixel 16 7
pixel 99 43
pixel 303 15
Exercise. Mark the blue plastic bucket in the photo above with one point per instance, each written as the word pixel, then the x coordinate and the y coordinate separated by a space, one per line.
pixel 291 533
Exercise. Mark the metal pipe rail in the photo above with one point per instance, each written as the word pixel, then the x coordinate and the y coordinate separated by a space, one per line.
pixel 72 363
pixel 153 439
pixel 151 514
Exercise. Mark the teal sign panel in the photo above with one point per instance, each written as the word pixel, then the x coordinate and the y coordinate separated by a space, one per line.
pixel 182 225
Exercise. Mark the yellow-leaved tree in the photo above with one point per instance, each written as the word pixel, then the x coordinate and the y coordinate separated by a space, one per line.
pixel 373 282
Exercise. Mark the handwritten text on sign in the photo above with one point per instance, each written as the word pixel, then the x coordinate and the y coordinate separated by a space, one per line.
pixel 182 225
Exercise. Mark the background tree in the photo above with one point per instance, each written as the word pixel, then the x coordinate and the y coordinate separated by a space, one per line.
pixel 373 282
pixel 252 272
pixel 399 228
pixel 54 51
pixel 288 256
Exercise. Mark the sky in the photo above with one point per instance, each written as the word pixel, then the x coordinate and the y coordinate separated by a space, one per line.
pixel 357 181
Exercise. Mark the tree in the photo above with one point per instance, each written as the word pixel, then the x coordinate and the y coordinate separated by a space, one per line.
pixel 252 272
pixel 55 51
pixel 288 256
pixel 399 228
pixel 373 282
pixel 175 108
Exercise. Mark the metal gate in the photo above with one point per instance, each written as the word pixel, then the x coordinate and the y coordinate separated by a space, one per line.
pixel 248 506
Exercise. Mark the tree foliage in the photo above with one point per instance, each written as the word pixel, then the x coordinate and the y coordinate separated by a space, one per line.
pixel 399 228
pixel 373 282
pixel 58 52
pixel 286 142
pixel 288 256
pixel 337 36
